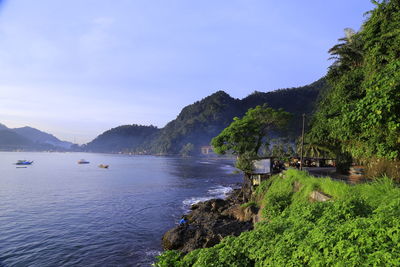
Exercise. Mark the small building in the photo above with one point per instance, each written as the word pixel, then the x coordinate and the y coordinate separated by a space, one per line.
pixel 207 150
pixel 262 170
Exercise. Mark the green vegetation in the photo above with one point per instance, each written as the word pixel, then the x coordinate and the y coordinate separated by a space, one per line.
pixel 249 204
pixel 199 122
pixel 358 118
pixel 126 138
pixel 244 137
pixel 360 114
pixel 359 227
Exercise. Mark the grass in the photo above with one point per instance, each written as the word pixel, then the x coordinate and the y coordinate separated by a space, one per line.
pixel 359 227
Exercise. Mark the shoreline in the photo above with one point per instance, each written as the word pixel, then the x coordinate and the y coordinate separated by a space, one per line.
pixel 208 222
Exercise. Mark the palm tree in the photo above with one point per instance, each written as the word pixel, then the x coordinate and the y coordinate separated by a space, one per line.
pixel 349 52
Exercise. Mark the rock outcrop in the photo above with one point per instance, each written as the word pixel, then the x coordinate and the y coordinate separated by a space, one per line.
pixel 209 222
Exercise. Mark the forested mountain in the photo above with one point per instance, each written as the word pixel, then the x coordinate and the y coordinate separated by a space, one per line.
pixel 297 101
pixel 126 138
pixel 39 137
pixel 199 122
pixel 28 138
pixel 10 140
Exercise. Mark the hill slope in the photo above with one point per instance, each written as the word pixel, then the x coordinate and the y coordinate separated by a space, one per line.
pixel 126 138
pixel 28 138
pixel 199 122
pixel 357 227
pixel 40 137
pixel 9 140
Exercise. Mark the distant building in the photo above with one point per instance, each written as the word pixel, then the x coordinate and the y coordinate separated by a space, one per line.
pixel 207 150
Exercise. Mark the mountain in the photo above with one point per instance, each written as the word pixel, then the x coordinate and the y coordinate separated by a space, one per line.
pixel 9 140
pixel 297 101
pixel 39 137
pixel 126 138
pixel 28 138
pixel 199 122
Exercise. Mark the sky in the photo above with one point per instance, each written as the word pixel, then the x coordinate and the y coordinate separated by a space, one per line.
pixel 75 68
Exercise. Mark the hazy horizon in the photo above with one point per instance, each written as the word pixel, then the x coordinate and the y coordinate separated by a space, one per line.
pixel 77 68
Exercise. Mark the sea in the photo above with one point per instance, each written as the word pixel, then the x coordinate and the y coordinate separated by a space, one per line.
pixel 60 213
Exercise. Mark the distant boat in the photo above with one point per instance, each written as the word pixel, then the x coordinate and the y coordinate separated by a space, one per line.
pixel 104 166
pixel 23 162
pixel 82 161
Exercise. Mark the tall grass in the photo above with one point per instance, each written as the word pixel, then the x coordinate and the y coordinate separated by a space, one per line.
pixel 360 226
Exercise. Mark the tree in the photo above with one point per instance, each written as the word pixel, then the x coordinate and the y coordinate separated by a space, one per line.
pixel 360 115
pixel 244 137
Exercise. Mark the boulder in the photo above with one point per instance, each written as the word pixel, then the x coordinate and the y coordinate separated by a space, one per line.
pixel 208 223
pixel 319 196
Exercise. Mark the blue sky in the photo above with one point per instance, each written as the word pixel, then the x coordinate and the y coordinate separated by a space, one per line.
pixel 79 67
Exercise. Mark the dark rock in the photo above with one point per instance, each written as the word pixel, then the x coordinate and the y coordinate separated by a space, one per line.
pixel 208 223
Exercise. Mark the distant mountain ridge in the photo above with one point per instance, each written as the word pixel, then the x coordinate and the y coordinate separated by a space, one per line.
pixel 28 138
pixel 199 122
pixel 194 126
pixel 125 138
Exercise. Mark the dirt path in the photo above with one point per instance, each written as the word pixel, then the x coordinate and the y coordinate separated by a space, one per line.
pixel 331 172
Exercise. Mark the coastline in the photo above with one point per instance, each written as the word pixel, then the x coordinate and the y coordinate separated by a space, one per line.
pixel 208 222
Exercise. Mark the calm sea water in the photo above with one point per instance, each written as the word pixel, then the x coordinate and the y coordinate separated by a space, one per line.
pixel 59 213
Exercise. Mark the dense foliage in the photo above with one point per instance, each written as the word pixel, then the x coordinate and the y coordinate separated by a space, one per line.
pixel 360 227
pixel 126 138
pixel 196 124
pixel 361 113
pixel 199 122
pixel 245 136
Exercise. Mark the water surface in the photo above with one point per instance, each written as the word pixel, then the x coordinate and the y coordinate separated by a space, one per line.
pixel 59 213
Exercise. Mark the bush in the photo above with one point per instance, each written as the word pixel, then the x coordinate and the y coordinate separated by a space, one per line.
pixel 361 227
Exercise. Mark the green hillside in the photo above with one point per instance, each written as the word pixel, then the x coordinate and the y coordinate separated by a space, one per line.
pixel 126 138
pixel 199 122
pixel 359 226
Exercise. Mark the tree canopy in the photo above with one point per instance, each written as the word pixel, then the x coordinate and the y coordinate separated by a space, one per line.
pixel 245 136
pixel 360 114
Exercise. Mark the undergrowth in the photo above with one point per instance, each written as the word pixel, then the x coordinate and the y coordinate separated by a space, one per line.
pixel 359 227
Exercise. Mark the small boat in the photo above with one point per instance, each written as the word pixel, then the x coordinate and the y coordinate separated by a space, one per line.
pixel 104 166
pixel 82 161
pixel 23 162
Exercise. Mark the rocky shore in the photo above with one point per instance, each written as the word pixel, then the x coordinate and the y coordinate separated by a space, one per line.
pixel 210 221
